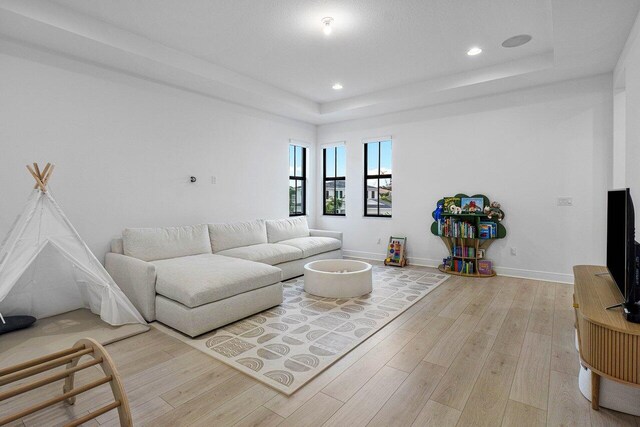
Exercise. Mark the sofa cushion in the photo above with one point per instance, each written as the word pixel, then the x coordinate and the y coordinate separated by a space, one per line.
pixel 268 253
pixel 235 235
pixel 150 244
pixel 311 246
pixel 285 229
pixel 201 279
pixel 117 246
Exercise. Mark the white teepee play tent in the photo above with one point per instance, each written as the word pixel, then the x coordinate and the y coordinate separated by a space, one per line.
pixel 47 269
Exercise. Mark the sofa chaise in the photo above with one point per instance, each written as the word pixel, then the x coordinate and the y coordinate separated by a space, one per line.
pixel 200 277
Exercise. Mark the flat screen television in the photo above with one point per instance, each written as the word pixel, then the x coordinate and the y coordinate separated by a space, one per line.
pixel 622 250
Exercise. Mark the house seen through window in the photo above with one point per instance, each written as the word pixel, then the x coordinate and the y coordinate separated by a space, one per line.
pixel 297 180
pixel 377 178
pixel 334 180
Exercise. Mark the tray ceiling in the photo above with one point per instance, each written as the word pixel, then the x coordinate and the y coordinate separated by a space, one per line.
pixel 273 55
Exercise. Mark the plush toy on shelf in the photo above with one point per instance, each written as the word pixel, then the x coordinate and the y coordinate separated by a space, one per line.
pixel 439 210
pixel 493 211
pixel 455 209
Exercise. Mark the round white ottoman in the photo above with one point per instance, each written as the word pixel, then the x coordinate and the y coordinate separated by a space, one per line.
pixel 338 278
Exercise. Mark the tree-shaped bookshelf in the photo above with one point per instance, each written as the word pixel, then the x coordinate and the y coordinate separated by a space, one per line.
pixel 460 233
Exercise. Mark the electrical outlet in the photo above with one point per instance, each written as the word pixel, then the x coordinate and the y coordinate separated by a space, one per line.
pixel 213 180
pixel 514 252
pixel 565 201
pixel 379 240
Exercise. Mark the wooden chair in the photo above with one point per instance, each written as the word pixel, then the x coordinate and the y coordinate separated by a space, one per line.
pixel 71 357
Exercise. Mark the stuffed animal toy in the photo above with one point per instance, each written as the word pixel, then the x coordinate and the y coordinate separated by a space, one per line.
pixel 438 213
pixel 455 209
pixel 493 211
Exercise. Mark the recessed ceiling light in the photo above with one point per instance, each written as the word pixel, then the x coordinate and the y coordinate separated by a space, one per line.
pixel 327 25
pixel 516 41
pixel 337 86
pixel 474 51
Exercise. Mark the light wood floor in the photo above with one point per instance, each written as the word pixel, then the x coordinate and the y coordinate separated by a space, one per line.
pixel 487 352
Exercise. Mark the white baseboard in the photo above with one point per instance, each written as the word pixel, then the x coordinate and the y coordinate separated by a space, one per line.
pixel 546 276
pixel 363 255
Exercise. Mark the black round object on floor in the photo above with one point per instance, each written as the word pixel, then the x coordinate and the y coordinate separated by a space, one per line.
pixel 13 323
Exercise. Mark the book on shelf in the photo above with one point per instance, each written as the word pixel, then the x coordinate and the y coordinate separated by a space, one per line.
pixel 487 230
pixel 485 267
pixel 453 227
pixel 472 205
pixel 461 266
pixel 464 251
pixel 450 201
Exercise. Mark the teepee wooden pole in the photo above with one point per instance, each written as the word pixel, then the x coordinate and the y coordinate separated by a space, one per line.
pixel 37 169
pixel 44 173
pixel 37 178
pixel 41 177
pixel 49 171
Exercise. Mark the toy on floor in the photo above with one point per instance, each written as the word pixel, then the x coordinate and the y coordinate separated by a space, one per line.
pixel 395 252
pixel 97 358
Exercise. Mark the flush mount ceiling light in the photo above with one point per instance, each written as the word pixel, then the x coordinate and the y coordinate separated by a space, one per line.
pixel 474 51
pixel 516 41
pixel 327 25
pixel 337 86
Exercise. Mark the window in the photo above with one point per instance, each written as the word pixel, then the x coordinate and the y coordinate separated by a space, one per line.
pixel 297 180
pixel 334 181
pixel 377 178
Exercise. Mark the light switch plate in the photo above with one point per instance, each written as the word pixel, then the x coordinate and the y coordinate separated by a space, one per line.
pixel 565 201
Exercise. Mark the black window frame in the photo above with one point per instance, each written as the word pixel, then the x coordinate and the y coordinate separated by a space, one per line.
pixel 334 178
pixel 299 178
pixel 378 176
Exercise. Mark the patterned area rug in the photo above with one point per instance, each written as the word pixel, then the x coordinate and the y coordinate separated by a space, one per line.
pixel 288 345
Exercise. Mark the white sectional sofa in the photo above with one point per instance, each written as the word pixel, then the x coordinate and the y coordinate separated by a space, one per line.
pixel 198 278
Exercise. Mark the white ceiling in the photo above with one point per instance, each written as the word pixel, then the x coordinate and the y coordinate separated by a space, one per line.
pixel 388 54
pixel 376 44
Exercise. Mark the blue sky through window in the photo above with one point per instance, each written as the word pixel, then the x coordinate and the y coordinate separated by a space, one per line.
pixel 378 187
pixel 331 163
pixel 379 151
pixel 385 157
pixel 342 161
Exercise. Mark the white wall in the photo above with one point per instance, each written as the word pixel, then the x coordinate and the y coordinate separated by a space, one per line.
pixel 124 150
pixel 523 149
pixel 629 81
pixel 619 138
